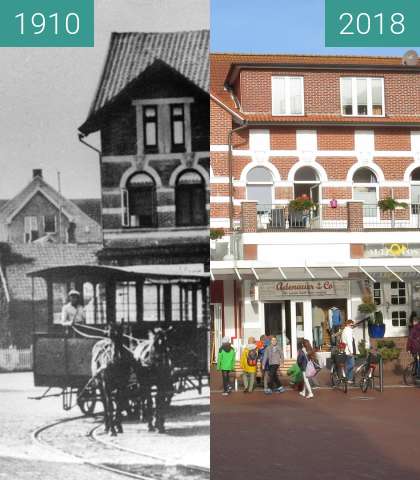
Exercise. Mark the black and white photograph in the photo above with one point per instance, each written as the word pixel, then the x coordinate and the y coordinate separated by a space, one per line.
pixel 104 250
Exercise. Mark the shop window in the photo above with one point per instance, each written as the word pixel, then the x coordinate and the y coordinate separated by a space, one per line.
pixel 399 319
pixel 190 200
pixel 398 293
pixel 259 186
pixel 178 128
pixel 377 293
pixel 139 202
pixel 150 126
pixel 31 229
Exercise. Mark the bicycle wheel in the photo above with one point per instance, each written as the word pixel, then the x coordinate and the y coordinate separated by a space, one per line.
pixel 409 375
pixel 345 385
pixel 334 379
pixel 364 384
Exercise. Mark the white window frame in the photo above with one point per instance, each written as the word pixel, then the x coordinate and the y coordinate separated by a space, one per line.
pixel 287 95
pixel 28 222
pixel 369 96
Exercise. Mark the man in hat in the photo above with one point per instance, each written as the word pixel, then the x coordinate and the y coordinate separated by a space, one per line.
pixel 73 311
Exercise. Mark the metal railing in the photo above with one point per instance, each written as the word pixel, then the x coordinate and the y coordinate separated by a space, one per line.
pixel 401 218
pixel 274 218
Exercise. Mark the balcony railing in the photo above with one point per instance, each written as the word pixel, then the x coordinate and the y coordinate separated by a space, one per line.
pixel 275 218
pixel 401 218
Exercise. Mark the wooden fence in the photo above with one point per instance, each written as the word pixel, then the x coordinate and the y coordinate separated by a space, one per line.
pixel 15 360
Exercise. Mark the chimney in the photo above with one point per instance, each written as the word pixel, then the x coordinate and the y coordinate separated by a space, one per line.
pixel 37 172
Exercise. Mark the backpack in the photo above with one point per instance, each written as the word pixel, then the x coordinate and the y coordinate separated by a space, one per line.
pixel 252 357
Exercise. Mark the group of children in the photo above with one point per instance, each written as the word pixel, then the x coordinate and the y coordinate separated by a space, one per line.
pixel 267 354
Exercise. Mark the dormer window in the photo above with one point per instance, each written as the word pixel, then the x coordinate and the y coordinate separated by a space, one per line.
pixel 362 96
pixel 150 124
pixel 287 95
pixel 178 128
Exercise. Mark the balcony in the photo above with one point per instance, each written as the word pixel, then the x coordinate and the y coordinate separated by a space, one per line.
pixel 352 216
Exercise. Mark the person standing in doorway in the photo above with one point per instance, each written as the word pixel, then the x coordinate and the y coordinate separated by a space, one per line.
pixel 226 364
pixel 249 359
pixel 273 358
pixel 347 338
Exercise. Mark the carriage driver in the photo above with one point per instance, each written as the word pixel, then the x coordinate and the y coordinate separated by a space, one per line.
pixel 73 311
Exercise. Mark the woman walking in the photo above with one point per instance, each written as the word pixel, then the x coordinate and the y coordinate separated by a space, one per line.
pixel 304 360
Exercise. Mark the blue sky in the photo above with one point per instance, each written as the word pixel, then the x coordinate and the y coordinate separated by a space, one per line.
pixel 276 26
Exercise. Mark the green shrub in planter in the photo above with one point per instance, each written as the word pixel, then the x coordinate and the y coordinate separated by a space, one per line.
pixel 387 350
pixel 390 204
pixel 216 233
pixel 367 308
pixel 301 204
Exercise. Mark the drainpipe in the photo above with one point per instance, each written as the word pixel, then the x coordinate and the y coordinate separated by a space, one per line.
pixel 82 137
pixel 230 161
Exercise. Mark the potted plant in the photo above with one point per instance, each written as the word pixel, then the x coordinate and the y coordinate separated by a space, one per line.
pixel 216 233
pixel 376 325
pixel 389 204
pixel 302 204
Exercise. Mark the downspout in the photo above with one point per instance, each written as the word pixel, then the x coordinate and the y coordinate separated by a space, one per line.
pixel 82 137
pixel 230 163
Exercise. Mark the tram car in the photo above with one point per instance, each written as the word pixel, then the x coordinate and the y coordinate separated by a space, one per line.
pixel 137 297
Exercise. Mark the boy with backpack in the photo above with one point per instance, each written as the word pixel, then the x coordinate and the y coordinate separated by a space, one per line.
pixel 249 360
pixel 226 364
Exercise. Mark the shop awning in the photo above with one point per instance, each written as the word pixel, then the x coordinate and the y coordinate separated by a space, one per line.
pixel 375 269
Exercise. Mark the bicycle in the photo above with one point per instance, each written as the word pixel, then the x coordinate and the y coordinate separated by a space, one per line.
pixel 367 371
pixel 410 373
pixel 338 376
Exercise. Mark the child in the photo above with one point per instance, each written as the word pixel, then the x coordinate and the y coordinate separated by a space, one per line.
pixel 302 361
pixel 226 364
pixel 249 360
pixel 273 357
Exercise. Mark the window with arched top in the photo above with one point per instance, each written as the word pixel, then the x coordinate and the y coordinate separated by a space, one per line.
pixel 306 174
pixel 364 175
pixel 259 186
pixel 190 199
pixel 365 189
pixel 139 201
pixel 415 190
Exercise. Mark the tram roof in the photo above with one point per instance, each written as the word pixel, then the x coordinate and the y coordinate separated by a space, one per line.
pixel 104 272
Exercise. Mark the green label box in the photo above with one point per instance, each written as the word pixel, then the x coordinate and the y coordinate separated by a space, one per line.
pixel 372 23
pixel 47 23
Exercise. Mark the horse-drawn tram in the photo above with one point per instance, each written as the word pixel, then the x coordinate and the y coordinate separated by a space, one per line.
pixel 139 332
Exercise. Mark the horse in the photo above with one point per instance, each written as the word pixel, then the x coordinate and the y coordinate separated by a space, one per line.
pixel 111 369
pixel 153 368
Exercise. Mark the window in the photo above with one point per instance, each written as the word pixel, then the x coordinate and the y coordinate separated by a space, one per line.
pixel 139 202
pixel 31 229
pixel 398 293
pixel 399 319
pixel 287 95
pixel 49 224
pixel 259 186
pixel 377 295
pixel 362 96
pixel 178 128
pixel 190 200
pixel 125 302
pixel 365 193
pixel 150 129
pixel 415 191
pixel 364 175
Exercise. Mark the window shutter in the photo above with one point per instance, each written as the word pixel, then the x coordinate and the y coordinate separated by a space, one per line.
pixel 125 219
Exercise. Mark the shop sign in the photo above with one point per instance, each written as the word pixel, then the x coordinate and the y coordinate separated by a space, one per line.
pixel 314 289
pixel 392 250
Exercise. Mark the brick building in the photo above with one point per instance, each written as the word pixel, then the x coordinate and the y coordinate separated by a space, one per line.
pixel 152 111
pixel 303 149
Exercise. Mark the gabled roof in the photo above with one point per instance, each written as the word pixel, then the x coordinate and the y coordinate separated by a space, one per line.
pixel 132 53
pixel 43 256
pixel 38 185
